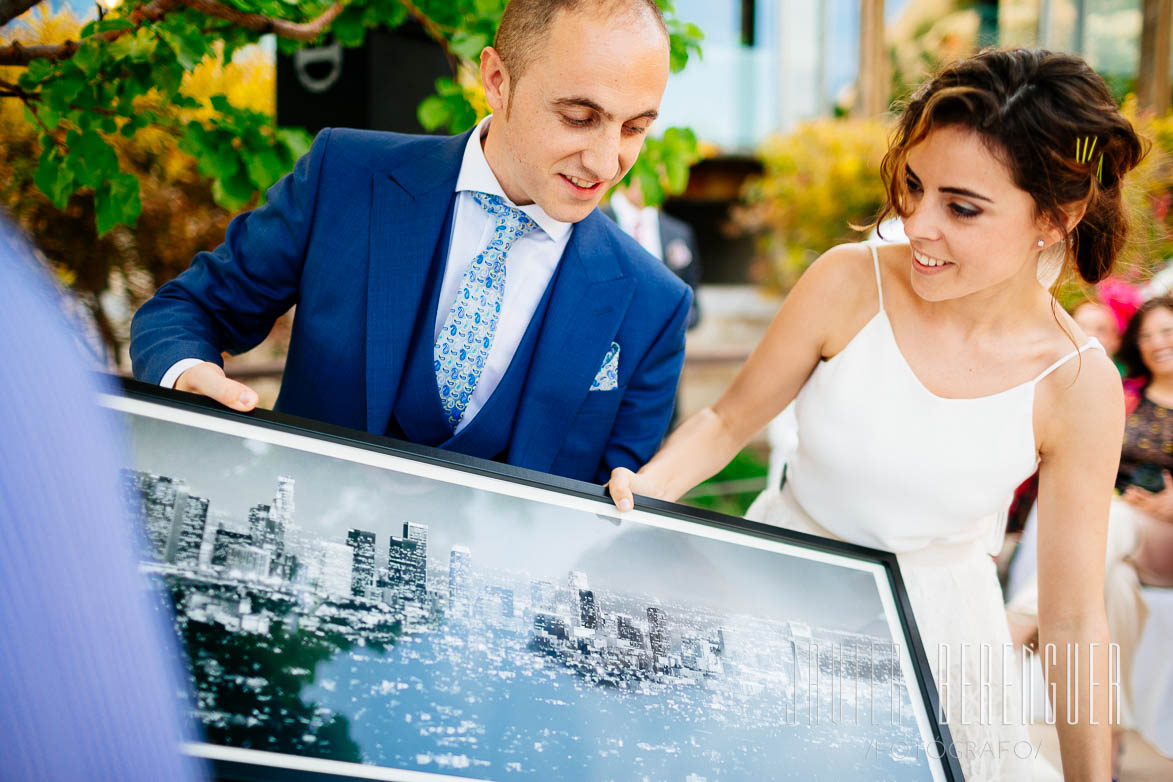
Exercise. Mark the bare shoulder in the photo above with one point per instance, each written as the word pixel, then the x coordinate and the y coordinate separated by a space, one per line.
pixel 838 293
pixel 1080 404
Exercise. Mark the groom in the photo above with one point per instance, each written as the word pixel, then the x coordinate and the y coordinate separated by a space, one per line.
pixel 461 292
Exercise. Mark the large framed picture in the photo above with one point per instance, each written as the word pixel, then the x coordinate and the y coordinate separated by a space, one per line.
pixel 354 607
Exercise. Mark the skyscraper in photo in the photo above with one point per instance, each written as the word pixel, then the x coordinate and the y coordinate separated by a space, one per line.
pixel 588 610
pixel 334 572
pixel 629 631
pixel 283 502
pixel 541 595
pixel 156 503
pixel 407 570
pixel 362 576
pixel 576 581
pixel 194 520
pixel 224 541
pixel 658 631
pixel 460 581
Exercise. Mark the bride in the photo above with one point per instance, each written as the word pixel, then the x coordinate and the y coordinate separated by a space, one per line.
pixel 932 378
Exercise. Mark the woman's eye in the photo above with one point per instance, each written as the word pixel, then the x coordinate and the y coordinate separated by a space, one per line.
pixel 576 122
pixel 912 185
pixel 633 130
pixel 963 212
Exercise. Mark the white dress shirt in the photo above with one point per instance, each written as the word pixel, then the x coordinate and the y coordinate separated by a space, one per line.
pixel 529 266
pixel 640 223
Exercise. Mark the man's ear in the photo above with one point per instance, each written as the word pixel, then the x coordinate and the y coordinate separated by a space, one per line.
pixel 495 79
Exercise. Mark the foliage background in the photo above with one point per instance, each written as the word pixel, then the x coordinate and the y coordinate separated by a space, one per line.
pixel 126 158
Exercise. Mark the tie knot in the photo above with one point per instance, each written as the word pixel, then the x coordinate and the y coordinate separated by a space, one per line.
pixel 510 219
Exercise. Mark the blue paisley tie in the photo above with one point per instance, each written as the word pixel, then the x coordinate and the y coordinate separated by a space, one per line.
pixel 467 335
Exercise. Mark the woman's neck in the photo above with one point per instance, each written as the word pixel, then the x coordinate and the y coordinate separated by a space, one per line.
pixel 1160 390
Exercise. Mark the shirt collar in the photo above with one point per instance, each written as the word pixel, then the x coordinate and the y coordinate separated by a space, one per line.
pixel 627 212
pixel 475 174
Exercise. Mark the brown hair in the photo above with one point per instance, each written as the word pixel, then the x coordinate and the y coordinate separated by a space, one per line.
pixel 1129 355
pixel 526 23
pixel 1032 107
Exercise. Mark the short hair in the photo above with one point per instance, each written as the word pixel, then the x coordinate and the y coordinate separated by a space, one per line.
pixel 526 24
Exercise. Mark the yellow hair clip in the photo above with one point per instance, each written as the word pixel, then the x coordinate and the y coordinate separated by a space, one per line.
pixel 1084 148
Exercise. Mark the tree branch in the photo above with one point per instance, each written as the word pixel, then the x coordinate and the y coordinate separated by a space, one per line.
pixel 10 9
pixel 18 54
pixel 434 31
pixel 263 24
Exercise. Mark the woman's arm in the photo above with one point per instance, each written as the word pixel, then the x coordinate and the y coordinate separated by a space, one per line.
pixel 1079 422
pixel 835 292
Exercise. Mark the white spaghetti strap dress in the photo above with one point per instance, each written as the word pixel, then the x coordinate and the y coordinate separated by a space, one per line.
pixel 884 462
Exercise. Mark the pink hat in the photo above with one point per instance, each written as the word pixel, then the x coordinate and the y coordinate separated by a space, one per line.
pixel 1122 297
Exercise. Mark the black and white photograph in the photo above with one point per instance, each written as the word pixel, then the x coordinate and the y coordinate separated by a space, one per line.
pixel 346 605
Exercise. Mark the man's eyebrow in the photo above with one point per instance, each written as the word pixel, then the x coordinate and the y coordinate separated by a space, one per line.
pixel 961 191
pixel 587 103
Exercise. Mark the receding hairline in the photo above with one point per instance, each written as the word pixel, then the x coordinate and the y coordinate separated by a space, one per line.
pixel 526 25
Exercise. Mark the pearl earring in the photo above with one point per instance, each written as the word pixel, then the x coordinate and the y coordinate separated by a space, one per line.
pixel 1040 243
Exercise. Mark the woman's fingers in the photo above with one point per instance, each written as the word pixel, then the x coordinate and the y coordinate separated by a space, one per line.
pixel 620 487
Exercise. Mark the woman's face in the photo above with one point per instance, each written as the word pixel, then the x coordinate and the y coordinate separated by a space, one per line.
pixel 971 228
pixel 1155 342
pixel 1097 321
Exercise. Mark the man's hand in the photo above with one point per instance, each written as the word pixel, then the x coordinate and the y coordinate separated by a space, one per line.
pixel 1158 505
pixel 208 379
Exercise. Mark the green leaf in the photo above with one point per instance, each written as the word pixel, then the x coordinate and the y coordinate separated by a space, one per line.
pixel 468 45
pixel 221 104
pixel 188 43
pixel 91 159
pixel 89 57
pixel 297 141
pixel 106 25
pixel 264 167
pixel 432 112
pixel 38 71
pixel 52 177
pixel 491 9
pixel 348 28
pixel 233 192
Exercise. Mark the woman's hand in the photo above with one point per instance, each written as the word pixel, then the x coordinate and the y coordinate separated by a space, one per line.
pixel 1159 505
pixel 625 484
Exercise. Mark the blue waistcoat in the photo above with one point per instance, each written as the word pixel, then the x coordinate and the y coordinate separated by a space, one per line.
pixel 417 415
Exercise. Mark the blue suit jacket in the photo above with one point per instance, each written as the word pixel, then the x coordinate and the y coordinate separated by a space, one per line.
pixel 348 237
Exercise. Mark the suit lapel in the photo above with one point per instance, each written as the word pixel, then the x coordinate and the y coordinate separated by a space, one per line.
pixel 408 208
pixel 589 301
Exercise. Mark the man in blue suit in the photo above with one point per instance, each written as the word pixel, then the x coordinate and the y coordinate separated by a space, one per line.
pixel 462 292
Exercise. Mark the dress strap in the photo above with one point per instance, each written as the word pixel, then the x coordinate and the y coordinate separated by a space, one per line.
pixel 879 286
pixel 1092 342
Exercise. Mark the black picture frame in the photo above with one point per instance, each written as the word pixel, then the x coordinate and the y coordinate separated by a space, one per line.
pixel 937 748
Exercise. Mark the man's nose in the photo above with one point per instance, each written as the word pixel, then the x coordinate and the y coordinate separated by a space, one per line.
pixel 601 157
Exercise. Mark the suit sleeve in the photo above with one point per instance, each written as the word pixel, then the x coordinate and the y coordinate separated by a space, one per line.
pixel 228 299
pixel 646 409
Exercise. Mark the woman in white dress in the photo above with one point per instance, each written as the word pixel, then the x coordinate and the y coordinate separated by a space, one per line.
pixel 932 378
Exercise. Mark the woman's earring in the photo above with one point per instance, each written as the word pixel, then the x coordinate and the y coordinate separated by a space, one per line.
pixel 1040 243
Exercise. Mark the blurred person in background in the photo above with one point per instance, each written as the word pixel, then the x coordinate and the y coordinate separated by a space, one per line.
pixel 668 238
pixel 933 378
pixel 1097 321
pixel 87 668
pixel 1140 537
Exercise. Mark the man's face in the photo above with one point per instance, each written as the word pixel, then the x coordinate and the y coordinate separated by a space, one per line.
pixel 579 112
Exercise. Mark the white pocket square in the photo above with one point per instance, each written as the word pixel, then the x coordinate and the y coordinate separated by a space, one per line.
pixel 608 377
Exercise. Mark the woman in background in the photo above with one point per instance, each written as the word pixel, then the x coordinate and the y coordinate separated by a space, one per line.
pixel 933 378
